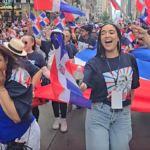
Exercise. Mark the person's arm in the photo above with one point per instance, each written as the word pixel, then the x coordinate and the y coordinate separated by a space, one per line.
pixel 38 42
pixel 36 78
pixel 46 72
pixel 8 106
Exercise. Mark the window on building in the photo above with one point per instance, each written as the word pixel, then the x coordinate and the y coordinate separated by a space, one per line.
pixel 18 1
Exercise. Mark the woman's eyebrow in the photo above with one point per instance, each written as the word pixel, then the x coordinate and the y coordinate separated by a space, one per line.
pixel 108 30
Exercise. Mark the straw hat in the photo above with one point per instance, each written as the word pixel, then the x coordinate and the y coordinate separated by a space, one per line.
pixel 16 47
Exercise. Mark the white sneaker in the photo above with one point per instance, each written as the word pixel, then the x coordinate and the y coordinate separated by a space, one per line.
pixel 63 125
pixel 56 123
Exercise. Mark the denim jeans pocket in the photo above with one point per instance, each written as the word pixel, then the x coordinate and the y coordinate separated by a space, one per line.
pixel 97 106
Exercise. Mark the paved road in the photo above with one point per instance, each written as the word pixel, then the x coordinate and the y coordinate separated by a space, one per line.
pixel 74 138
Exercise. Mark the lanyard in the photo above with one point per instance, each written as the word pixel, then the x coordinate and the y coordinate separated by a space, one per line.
pixel 111 70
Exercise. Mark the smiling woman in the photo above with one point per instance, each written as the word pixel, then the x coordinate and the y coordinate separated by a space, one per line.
pixel 112 76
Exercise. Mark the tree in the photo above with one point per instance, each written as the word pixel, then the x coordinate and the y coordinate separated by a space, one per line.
pixel 105 18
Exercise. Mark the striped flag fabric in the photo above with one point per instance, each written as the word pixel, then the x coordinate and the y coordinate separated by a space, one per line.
pixel 121 19
pixel 56 5
pixel 63 84
pixel 70 16
pixel 35 24
pixel 114 3
pixel 130 36
pixel 60 21
pixel 43 20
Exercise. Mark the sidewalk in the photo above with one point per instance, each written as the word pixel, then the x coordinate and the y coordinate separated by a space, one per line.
pixel 74 139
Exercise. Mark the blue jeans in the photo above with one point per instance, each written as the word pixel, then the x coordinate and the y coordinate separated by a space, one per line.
pixel 108 129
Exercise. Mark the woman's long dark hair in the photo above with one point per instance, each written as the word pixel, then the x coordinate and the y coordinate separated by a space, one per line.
pixel 12 62
pixel 100 47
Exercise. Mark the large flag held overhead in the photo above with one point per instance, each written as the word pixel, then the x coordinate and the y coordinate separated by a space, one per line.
pixel 63 84
pixel 56 5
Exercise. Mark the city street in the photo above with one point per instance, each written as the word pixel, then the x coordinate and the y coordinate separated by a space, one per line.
pixel 74 138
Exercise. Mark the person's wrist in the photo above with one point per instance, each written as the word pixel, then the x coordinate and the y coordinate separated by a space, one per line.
pixel 146 36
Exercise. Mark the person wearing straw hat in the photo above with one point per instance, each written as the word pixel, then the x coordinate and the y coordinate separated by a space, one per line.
pixel 16 118
pixel 16 47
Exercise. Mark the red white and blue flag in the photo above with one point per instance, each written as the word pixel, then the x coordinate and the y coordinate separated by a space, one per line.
pixel 56 5
pixel 63 84
pixel 145 20
pixel 114 3
pixel 70 16
pixel 43 20
pixel 35 24
pixel 130 36
pixel 23 22
pixel 16 22
pixel 60 21
pixel 140 5
pixel 121 19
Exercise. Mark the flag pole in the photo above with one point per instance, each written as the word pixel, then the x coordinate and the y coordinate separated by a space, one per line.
pixel 122 11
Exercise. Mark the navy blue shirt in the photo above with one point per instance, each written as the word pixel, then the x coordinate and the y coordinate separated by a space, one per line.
pixel 37 59
pixel 91 41
pixel 73 48
pixel 98 77
pixel 46 47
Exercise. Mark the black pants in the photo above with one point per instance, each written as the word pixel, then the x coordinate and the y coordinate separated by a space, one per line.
pixel 63 109
pixel 35 111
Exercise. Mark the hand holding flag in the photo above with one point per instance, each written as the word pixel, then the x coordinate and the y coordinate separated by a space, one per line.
pixel 139 32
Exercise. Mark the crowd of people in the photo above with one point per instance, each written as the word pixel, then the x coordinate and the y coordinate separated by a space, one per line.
pixel 26 59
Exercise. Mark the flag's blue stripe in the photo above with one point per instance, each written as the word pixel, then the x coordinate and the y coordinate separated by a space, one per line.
pixel 87 54
pixel 64 7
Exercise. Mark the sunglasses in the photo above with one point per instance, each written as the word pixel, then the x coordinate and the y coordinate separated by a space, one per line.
pixel 93 32
pixel 25 42
pixel 25 31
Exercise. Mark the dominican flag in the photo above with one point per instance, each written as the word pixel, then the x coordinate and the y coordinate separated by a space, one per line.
pixel 72 25
pixel 147 4
pixel 115 4
pixel 138 22
pixel 16 22
pixel 130 36
pixel 63 84
pixel 23 22
pixel 56 5
pixel 140 5
pixel 145 20
pixel 121 19
pixel 36 25
pixel 60 21
pixel 70 16
pixel 43 20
